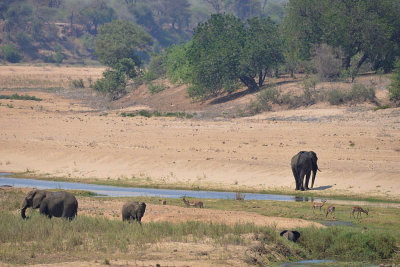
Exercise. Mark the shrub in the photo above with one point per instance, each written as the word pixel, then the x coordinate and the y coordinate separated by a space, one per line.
pixel 11 53
pixel 394 88
pixel 59 55
pixel 336 97
pixel 270 94
pixel 78 83
pixel 156 66
pixel 20 97
pixel 149 76
pixel 87 41
pixel 360 92
pixel 23 39
pixel 113 84
pixel 328 62
pixel 156 88
pixel 347 244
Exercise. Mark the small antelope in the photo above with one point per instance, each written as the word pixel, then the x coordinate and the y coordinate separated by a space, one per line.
pixel 163 201
pixel 193 203
pixel 330 209
pixel 318 205
pixel 358 210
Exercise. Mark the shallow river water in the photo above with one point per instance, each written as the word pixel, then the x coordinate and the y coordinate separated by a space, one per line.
pixel 115 191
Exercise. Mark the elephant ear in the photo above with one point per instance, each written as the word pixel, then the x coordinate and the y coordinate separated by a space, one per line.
pixel 314 155
pixel 38 198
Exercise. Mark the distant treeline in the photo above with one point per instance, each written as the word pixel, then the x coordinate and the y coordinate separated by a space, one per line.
pixel 56 30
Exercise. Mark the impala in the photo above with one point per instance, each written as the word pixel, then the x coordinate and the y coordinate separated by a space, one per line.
pixel 193 203
pixel 358 210
pixel 330 209
pixel 318 205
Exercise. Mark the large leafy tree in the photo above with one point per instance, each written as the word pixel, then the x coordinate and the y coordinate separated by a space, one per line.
pixel 214 55
pixel 364 27
pixel 116 46
pixel 262 50
pixel 226 51
pixel 95 15
pixel 120 39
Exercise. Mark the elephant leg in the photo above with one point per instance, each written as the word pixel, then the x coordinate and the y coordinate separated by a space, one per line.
pixel 296 178
pixel 307 180
pixel 301 181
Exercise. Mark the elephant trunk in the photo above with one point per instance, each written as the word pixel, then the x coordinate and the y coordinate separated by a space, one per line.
pixel 24 207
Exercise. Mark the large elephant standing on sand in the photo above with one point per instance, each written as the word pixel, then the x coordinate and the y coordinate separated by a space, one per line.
pixel 57 204
pixel 133 211
pixel 302 164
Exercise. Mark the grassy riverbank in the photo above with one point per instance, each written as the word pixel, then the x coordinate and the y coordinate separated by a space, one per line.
pixel 99 239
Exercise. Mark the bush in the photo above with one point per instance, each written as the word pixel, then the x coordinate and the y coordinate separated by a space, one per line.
pixel 263 100
pixel 156 88
pixel 336 97
pixel 328 62
pixel 59 55
pixel 270 94
pixel 87 41
pixel 11 53
pixel 361 93
pixel 23 39
pixel 113 84
pixel 156 66
pixel 347 244
pixel 358 93
pixel 78 83
pixel 394 88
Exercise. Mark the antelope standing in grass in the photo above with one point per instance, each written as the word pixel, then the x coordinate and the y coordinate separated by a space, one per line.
pixel 330 209
pixel 358 210
pixel 318 205
pixel 193 203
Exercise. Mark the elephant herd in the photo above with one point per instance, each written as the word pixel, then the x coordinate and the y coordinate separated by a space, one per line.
pixel 64 204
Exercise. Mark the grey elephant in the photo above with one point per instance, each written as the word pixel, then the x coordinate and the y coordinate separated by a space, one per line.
pixel 290 235
pixel 52 204
pixel 133 211
pixel 302 164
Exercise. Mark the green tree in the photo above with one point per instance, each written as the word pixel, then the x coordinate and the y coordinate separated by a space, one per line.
pixel 214 54
pixel 113 84
pixel 365 27
pixel 225 50
pixel 262 51
pixel 96 14
pixel 11 53
pixel 116 46
pixel 120 39
pixel 177 64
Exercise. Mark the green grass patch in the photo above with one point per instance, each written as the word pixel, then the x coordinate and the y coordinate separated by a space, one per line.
pixel 156 88
pixel 373 239
pixel 346 243
pixel 382 107
pixel 148 114
pixel 20 97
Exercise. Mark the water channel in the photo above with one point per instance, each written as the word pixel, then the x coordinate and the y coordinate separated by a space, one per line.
pixel 116 191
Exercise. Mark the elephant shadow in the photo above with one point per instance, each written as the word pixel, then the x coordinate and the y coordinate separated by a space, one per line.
pixel 322 187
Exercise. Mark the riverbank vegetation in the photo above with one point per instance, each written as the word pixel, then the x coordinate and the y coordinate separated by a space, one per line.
pixel 98 238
